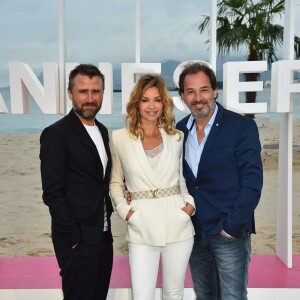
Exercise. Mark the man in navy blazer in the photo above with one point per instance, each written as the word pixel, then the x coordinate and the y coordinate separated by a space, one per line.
pixel 223 171
pixel 75 171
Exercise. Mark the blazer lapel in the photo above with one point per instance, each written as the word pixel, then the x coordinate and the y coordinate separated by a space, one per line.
pixel 186 166
pixel 83 135
pixel 211 137
pixel 165 158
pixel 106 146
pixel 154 175
pixel 142 158
pixel 105 138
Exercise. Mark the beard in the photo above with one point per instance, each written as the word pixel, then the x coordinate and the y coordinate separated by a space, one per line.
pixel 87 113
pixel 204 112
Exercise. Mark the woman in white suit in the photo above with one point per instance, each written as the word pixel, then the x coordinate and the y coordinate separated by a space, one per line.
pixel 148 156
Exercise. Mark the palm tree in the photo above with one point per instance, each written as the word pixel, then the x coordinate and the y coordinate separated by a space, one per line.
pixel 243 23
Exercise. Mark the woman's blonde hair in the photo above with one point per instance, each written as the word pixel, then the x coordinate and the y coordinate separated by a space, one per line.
pixel 133 118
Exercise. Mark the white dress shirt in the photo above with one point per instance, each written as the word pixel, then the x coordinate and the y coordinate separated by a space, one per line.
pixel 193 149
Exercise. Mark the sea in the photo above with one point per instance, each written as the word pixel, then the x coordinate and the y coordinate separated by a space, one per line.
pixel 36 121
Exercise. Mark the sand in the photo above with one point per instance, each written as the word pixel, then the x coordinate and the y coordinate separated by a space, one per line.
pixel 25 220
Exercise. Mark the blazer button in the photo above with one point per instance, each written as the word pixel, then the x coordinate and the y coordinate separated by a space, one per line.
pixel 197 187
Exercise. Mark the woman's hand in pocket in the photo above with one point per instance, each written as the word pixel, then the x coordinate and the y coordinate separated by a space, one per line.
pixel 130 213
pixel 188 209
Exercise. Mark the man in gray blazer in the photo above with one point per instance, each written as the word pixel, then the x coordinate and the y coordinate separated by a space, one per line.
pixel 75 171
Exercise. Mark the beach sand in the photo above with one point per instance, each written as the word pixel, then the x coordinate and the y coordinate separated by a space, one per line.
pixel 25 220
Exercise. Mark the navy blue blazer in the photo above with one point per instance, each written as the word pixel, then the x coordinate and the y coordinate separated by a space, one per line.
pixel 228 185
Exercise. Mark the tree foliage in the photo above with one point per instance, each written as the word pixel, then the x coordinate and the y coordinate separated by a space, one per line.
pixel 243 23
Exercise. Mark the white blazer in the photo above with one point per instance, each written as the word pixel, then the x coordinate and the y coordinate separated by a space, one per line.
pixel 155 221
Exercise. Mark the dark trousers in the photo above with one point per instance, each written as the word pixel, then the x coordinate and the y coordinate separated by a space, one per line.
pixel 85 270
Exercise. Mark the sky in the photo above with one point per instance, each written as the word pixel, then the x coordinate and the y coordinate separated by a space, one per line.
pixel 102 31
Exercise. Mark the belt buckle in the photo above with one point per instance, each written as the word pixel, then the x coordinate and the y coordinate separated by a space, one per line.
pixel 154 193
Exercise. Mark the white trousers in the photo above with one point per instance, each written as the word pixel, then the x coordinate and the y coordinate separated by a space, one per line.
pixel 144 265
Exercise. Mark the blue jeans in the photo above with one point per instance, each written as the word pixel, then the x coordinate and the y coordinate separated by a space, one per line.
pixel 219 267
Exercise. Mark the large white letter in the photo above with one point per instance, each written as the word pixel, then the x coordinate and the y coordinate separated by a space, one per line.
pixel 107 105
pixel 283 85
pixel 3 108
pixel 107 70
pixel 178 102
pixel 23 81
pixel 131 73
pixel 232 86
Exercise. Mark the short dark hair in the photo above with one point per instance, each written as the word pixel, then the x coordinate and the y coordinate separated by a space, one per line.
pixel 87 70
pixel 194 68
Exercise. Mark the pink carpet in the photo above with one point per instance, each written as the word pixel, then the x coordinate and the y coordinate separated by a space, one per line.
pixel 266 271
